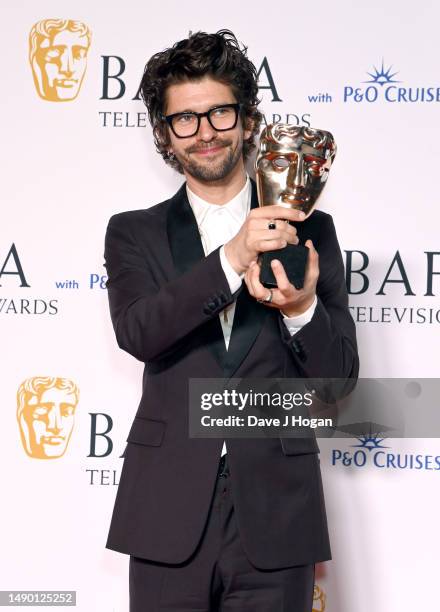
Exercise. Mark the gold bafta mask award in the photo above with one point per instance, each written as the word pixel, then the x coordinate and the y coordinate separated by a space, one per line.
pixel 292 167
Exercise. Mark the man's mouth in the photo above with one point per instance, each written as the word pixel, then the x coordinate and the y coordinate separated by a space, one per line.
pixel 208 149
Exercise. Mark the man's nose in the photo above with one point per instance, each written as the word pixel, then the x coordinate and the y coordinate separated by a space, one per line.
pixel 296 173
pixel 206 131
pixel 67 62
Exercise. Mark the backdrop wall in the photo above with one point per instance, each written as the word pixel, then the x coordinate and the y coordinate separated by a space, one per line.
pixel 77 147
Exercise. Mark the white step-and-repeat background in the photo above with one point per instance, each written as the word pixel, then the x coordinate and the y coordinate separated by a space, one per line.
pixel 366 72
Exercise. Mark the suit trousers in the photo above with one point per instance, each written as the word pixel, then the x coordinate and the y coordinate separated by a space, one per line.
pixel 218 576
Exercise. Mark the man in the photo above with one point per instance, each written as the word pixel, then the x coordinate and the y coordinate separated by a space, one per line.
pixel 241 531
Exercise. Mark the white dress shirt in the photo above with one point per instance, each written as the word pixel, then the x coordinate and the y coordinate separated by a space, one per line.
pixel 217 225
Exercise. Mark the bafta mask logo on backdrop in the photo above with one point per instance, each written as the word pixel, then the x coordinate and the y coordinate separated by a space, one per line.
pixel 319 599
pixel 58 51
pixel 46 415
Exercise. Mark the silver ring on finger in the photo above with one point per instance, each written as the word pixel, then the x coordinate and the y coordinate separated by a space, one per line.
pixel 268 298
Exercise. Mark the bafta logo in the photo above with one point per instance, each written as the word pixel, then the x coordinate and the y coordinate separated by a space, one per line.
pixel 319 599
pixel 46 414
pixel 58 51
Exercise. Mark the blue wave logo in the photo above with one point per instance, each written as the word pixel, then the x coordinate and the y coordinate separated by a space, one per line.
pixel 383 76
pixel 370 442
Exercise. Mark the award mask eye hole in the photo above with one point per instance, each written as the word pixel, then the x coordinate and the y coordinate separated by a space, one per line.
pixel 315 167
pixel 280 163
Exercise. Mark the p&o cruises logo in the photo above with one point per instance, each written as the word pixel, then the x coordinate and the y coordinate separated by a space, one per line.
pixel 372 452
pixel 383 86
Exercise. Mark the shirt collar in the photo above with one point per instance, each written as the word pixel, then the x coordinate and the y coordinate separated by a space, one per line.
pixel 238 207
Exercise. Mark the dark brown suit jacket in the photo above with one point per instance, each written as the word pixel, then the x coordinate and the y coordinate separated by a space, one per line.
pixel 165 298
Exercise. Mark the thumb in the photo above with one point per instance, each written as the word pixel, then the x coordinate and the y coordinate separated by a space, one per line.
pixel 313 261
pixel 312 249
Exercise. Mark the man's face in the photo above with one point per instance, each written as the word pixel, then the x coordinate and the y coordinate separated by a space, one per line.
pixel 50 422
pixel 292 173
pixel 62 61
pixel 208 155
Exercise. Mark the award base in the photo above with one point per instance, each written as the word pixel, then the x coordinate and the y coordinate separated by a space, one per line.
pixel 293 258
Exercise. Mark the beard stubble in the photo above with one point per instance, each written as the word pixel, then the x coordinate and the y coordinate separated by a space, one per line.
pixel 216 170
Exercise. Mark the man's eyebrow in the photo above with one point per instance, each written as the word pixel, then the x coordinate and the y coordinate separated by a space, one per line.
pixel 187 110
pixel 216 105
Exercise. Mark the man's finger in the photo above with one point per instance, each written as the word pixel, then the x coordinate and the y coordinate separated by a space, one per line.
pixel 288 232
pixel 278 212
pixel 253 270
pixel 313 254
pixel 259 291
pixel 270 245
pixel 284 285
pixel 312 269
pixel 280 229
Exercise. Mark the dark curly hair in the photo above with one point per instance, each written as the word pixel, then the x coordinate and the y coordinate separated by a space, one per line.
pixel 216 55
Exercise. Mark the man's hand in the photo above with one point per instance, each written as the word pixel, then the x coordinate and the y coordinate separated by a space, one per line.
pixel 255 236
pixel 286 297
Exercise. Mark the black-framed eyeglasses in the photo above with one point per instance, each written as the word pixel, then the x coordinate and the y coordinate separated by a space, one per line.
pixel 221 118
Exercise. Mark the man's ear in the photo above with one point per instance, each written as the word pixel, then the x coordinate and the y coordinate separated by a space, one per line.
pixel 161 135
pixel 248 128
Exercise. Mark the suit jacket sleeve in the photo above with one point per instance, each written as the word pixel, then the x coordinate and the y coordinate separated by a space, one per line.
pixel 326 346
pixel 151 319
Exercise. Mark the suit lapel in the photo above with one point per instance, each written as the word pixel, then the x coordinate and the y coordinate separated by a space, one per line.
pixel 186 250
pixel 248 320
pixel 183 233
